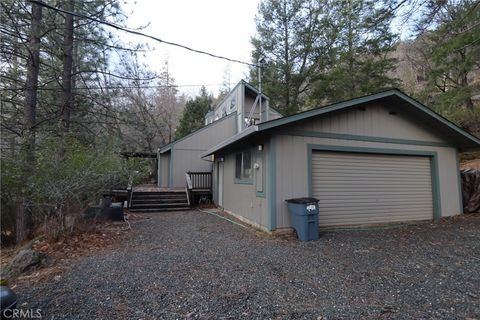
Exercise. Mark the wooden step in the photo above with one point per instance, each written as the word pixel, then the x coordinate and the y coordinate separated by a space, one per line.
pixel 160 193
pixel 160 209
pixel 159 197
pixel 159 201
pixel 159 205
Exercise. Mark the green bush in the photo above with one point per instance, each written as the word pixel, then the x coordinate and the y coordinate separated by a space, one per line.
pixel 10 173
pixel 59 187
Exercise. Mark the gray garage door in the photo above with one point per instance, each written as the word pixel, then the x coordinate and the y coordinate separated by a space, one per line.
pixel 357 188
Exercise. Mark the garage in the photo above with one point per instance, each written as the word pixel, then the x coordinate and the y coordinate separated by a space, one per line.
pixel 377 159
pixel 368 188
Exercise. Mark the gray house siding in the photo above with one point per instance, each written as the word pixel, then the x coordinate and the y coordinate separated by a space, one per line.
pixel 187 160
pixel 372 127
pixel 247 200
pixel 389 129
pixel 373 120
pixel 185 153
pixel 272 114
pixel 164 169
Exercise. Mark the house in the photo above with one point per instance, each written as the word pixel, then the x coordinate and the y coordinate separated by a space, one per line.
pixel 228 118
pixel 375 159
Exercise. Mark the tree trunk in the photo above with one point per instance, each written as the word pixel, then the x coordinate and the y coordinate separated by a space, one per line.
pixel 464 80
pixel 67 98
pixel 24 210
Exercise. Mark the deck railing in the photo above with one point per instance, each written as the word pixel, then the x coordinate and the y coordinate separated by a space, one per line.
pixel 200 180
pixel 198 183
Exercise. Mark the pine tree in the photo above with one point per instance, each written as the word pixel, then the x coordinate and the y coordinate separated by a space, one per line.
pixel 24 213
pixel 290 37
pixel 359 61
pixel 322 51
pixel 194 114
pixel 445 56
pixel 455 57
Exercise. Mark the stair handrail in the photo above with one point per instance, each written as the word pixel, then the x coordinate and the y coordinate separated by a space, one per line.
pixel 188 188
pixel 189 180
pixel 129 190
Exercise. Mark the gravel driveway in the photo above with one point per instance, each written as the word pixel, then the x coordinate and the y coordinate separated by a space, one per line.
pixel 197 266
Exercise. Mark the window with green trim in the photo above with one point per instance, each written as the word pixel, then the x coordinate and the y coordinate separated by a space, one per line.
pixel 243 165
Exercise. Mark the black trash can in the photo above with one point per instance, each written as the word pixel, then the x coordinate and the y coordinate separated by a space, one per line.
pixel 304 217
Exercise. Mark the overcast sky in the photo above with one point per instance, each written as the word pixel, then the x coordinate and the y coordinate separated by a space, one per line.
pixel 218 26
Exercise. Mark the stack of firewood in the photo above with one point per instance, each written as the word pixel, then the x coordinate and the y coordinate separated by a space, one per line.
pixel 471 190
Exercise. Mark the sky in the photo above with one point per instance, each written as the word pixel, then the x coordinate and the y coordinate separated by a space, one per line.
pixel 222 27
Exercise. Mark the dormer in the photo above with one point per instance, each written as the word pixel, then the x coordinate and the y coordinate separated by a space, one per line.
pixel 251 108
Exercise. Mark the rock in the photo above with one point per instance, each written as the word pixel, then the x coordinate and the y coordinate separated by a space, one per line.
pixel 23 261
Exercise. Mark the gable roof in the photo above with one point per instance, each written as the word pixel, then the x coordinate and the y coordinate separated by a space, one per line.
pixel 250 87
pixel 459 137
pixel 247 85
pixel 232 91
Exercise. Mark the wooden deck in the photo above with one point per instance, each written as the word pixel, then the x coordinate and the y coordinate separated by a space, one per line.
pixel 155 188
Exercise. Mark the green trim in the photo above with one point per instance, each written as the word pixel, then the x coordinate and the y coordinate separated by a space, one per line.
pixel 243 181
pixel 341 136
pixel 272 185
pixel 159 182
pixel 310 148
pixel 170 170
pixel 437 204
pixel 437 208
pixel 459 182
pixel 473 143
pixel 437 117
pixel 366 99
pixel 322 110
pixel 260 158
pixel 166 147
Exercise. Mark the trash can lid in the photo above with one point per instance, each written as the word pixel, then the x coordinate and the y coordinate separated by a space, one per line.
pixel 302 200
pixel 7 297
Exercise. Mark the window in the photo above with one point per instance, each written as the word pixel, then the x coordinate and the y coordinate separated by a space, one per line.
pixel 243 165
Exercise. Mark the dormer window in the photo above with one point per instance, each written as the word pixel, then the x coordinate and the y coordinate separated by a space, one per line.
pixel 233 103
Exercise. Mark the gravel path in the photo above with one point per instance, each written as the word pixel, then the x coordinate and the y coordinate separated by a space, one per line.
pixel 197 266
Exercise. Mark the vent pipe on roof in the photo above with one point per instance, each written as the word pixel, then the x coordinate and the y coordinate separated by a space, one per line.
pixel 258 99
pixel 260 65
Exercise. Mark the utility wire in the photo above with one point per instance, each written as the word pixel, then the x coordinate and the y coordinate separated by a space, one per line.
pixel 121 87
pixel 118 27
